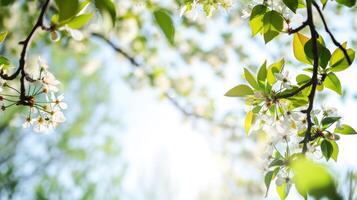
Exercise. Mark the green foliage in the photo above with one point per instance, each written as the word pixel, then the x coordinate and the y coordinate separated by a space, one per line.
pixel 299 43
pixel 80 20
pixel 313 179
pixel 332 82
pixel 345 130
pixel 338 60
pixel 107 7
pixel 163 19
pixel 67 8
pixel 273 25
pixel 256 18
pixel 326 149
pixel 349 3
pixel 3 36
pixel 240 91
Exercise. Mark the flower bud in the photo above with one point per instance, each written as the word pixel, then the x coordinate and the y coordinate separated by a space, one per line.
pixel 54 36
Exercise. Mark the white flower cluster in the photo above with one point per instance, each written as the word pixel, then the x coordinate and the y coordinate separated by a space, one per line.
pixel 44 106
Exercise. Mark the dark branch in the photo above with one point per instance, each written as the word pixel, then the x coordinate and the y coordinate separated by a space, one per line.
pixel 314 78
pixel 117 49
pixel 171 99
pixel 302 26
pixel 330 33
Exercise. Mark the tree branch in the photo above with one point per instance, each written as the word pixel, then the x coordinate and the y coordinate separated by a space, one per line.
pixel 330 33
pixel 314 78
pixel 22 61
pixel 302 26
pixel 171 99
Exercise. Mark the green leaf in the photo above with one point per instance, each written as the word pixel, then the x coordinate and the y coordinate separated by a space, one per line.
pixel 299 42
pixel 335 150
pixel 326 149
pixel 274 68
pixel 348 3
pixel 267 180
pixel 332 82
pixel 79 21
pixel 239 91
pixel 6 2
pixel 273 25
pixel 67 8
pixel 256 18
pixel 248 122
pixel 262 74
pixel 4 61
pixel 301 79
pixel 107 6
pixel 313 179
pixel 323 53
pixel 345 130
pixel 323 2
pixel 3 36
pixel 276 162
pixel 338 61
pixel 292 4
pixel 250 78
pixel 283 190
pixel 163 19
pixel 328 121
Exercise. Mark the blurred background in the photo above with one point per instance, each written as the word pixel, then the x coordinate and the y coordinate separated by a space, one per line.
pixel 147 120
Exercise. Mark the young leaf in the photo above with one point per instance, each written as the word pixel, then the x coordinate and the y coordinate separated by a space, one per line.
pixel 301 79
pixel 106 6
pixel 273 25
pixel 348 3
pixel 338 61
pixel 262 74
pixel 328 121
pixel 324 53
pixel 283 190
pixel 267 180
pixel 335 150
pixel 248 122
pixel 326 149
pixel 274 68
pixel 239 91
pixel 163 19
pixel 292 4
pixel 67 8
pixel 4 61
pixel 299 42
pixel 332 82
pixel 250 78
pixel 79 21
pixel 3 36
pixel 256 18
pixel 345 130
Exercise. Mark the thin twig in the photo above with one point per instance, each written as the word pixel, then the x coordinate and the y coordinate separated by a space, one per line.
pixel 330 33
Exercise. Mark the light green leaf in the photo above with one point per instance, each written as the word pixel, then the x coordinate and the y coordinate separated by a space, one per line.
pixel 4 61
pixel 250 78
pixel 345 130
pixel 3 36
pixel 301 79
pixel 79 21
pixel 273 25
pixel 338 61
pixel 332 82
pixel 283 190
pixel 262 74
pixel 256 18
pixel 335 150
pixel 248 121
pixel 299 42
pixel 274 68
pixel 239 91
pixel 163 19
pixel 67 9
